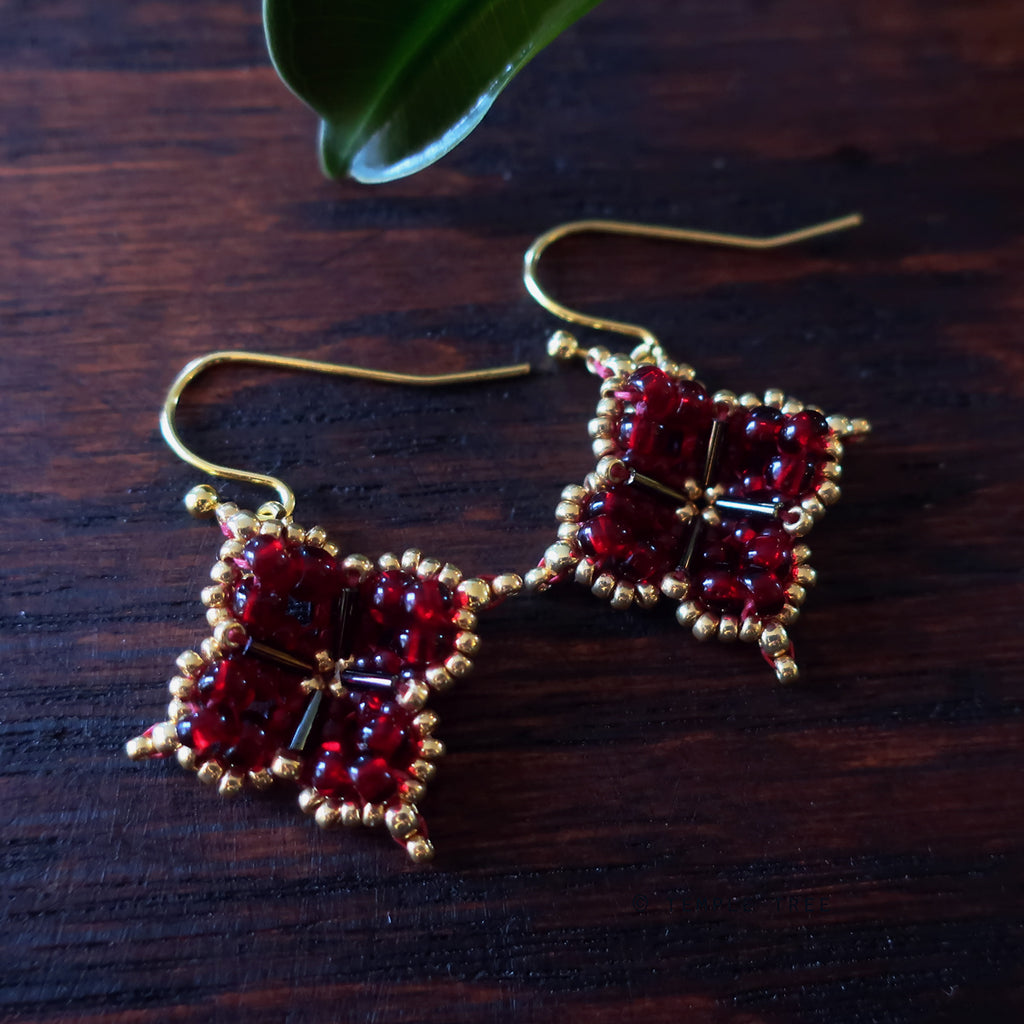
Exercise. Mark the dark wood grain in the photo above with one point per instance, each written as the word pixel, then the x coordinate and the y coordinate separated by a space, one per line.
pixel 630 826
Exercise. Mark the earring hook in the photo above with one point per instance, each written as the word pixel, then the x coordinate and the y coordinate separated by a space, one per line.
pixel 617 227
pixel 198 366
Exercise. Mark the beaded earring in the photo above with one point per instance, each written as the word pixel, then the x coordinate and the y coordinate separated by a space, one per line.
pixel 319 665
pixel 702 498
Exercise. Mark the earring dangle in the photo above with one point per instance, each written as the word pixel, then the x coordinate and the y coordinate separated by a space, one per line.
pixel 702 498
pixel 319 665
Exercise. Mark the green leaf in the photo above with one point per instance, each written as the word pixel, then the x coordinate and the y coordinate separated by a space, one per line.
pixel 398 83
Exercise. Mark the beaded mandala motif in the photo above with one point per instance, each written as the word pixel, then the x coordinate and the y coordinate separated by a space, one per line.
pixel 318 671
pixel 703 498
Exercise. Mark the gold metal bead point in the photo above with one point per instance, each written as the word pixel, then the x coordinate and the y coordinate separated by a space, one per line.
pixel 536 581
pixel 568 512
pixel 138 748
pixel 603 586
pixel 422 770
pixel 828 492
pixel 411 559
pixel 687 613
pixel 359 564
pixel 164 737
pixel 431 748
pixel 401 821
pixel 786 670
pixel 475 593
pixel 271 510
pixel 351 814
pixel 439 679
pixel 805 576
pixel 420 850
pixel 425 723
pixel 413 694
pixel 458 665
pixel 774 397
pixel 507 584
pixel 729 629
pixel 706 626
pixel 373 815
pixel 467 643
pixel 284 766
pixel 647 595
pixel 613 470
pixel 310 800
pixel 623 596
pixel 327 815
pixel 261 779
pixel 230 784
pixel 801 553
pixel 774 641
pixel 189 663
pixel 750 630
pixel 201 501
pixel 563 346
pixel 674 587
pixel 210 774
pixel 559 557
pixel 186 757
pixel 585 572
pixel 316 536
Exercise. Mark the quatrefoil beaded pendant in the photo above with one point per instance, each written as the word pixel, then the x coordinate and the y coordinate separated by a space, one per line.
pixel 702 498
pixel 319 669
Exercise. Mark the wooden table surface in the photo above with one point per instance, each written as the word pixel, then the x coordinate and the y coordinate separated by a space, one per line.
pixel 630 826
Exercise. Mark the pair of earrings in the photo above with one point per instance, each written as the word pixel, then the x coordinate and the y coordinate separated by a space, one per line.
pixel 320 665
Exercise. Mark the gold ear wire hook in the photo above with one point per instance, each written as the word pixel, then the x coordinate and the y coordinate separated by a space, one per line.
pixel 203 363
pixel 617 227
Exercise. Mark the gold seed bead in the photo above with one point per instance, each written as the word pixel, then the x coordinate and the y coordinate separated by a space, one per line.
pixel 465 619
pixel 242 525
pixel 724 397
pixel 475 593
pixel 338 689
pixel 261 779
pixel 786 670
pixel 309 801
pixel 422 770
pixel 138 748
pixel 230 550
pixel 215 616
pixel 449 575
pixel 711 516
pixel 813 506
pixel 225 510
pixel 311 685
pixel 574 493
pixel 789 614
pixel 623 596
pixel 230 784
pixel 674 588
pixel 189 663
pixel 620 364
pixel 215 596
pixel 467 643
pixel 332 549
pixel 211 772
pixel 774 641
pixel 599 427
pixel 774 398
pixel 429 568
pixel 506 584
pixel 834 448
pixel 201 501
pixel 223 572
pixel 295 534
pixel 800 526
pixel 411 559
pixel 684 371
pixel 373 815
pixel 647 595
pixel 840 424
pixel 431 748
pixel 805 576
pixel 750 630
pixel 324 662
pixel 327 815
pixel 801 553
pixel 568 512
pixel 563 346
pixel 176 710
pixel 792 406
pixel 271 528
pixel 536 581
pixel 351 814
pixel 603 586
pixel 608 406
pixel 585 572
pixel 271 510
pixel 401 821
pixel 420 850
pixel 439 679
pixel 602 447
pixel 284 766
pixel 186 758
pixel 749 400
pixel 828 492
pixel 613 470
pixel 860 427
pixel 796 594
pixel 181 687
pixel 458 665
pixel 316 536
pixel 425 723
pixel 706 626
pixel 230 635
pixel 164 737
pixel 687 613
pixel 413 694
pixel 596 356
pixel 412 791
pixel 359 564
pixel 559 557
pixel 210 649
pixel 729 629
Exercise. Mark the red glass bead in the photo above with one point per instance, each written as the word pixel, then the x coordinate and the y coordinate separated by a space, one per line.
pixel 372 779
pixel 805 431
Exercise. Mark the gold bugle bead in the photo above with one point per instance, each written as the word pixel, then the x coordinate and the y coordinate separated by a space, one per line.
pixel 230 784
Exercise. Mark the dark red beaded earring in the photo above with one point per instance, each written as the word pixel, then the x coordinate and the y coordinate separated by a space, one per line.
pixel 319 666
pixel 702 498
